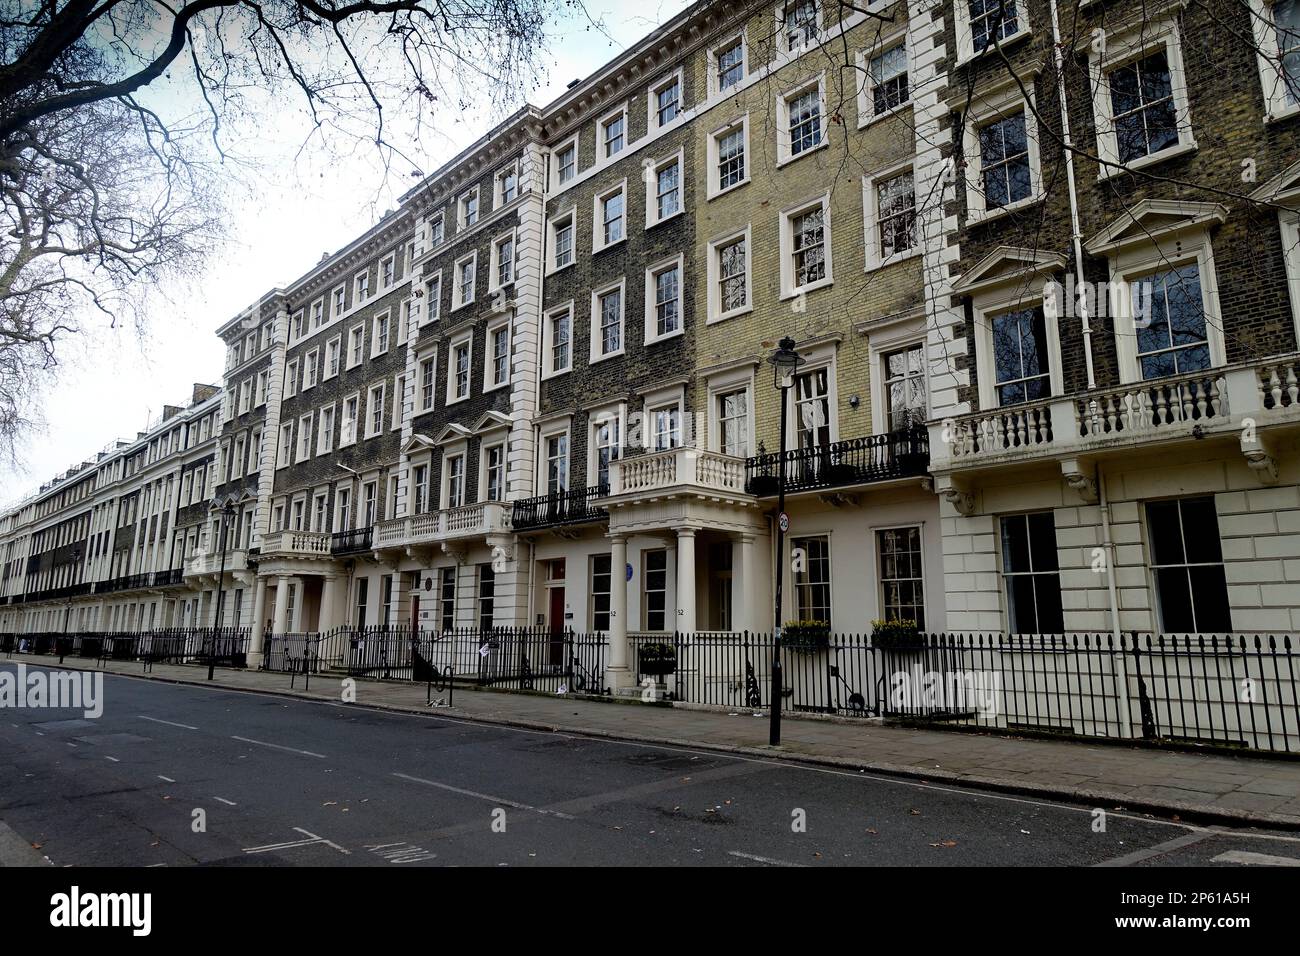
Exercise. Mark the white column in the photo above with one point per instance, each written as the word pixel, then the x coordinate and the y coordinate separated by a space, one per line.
pixel 281 605
pixel 742 578
pixel 685 581
pixel 255 633
pixel 329 600
pixel 299 599
pixel 618 673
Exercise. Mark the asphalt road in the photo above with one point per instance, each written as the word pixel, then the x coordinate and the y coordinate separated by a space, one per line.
pixel 287 782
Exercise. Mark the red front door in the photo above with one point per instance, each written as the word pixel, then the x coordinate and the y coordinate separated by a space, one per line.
pixel 555 620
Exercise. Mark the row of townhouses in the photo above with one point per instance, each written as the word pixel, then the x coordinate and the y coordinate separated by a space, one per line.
pixel 1040 263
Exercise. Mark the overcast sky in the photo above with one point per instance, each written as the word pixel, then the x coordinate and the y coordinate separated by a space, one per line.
pixel 113 383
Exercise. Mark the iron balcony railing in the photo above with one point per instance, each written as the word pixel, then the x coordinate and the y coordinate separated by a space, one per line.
pixel 567 507
pixel 352 542
pixel 855 461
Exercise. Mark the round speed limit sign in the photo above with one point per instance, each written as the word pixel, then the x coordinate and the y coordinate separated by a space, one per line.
pixel 784 522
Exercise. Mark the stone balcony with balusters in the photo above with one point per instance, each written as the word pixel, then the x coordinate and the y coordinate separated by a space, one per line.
pixel 1251 402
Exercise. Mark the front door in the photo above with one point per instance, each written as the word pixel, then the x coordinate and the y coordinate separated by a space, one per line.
pixel 555 620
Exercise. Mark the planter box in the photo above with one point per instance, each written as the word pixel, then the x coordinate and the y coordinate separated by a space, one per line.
pixel 764 486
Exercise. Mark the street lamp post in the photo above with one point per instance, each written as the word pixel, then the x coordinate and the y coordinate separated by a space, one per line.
pixel 785 361
pixel 227 513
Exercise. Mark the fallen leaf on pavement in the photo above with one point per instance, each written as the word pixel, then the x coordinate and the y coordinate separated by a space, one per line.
pixel 871 830
pixel 914 812
pixel 945 843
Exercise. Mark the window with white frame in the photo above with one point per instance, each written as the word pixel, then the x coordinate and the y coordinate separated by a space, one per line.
pixel 557 463
pixel 408 308
pixel 259 394
pixel 432 307
pixel 361 290
pixel 304 437
pixel 610 217
pixel 284 451
pixel 332 349
pixel 1187 565
pixel 466 276
pixel 399 400
pixel 812 579
pixel 891 217
pixel 601 578
pixel 369 503
pixel 356 345
pixel 663 300
pixel 325 431
pixel 351 413
pixel 565 162
pixel 607 322
pixel 503 261
pixel 245 395
pixel 420 489
pixel 885 85
pixel 299 514
pixel 1001 150
pixel 663 190
pixel 666 426
pixel 1174 338
pixel 311 369
pixel 454 479
pixel 666 100
pixel 387 271
pixel 379 333
pixel 1140 102
pixel 606 442
pixel 904 380
pixel 343 508
pixel 1276 27
pixel 729 270
pixel 728 64
pixel 558 340
pixel 654 592
pixel 1031 575
pixel 317 314
pixel 812 408
pixel 799 23
pixel 319 511
pixel 375 411
pixel 613 133
pixel 902 577
pixel 339 302
pixel 733 422
pixel 728 150
pixel 806 258
pixel 393 499
pixel 562 241
pixel 498 364
pixel 494 472
pixel 436 229
pixel 507 184
pixel 298 327
pixel 458 380
pixel 1021 356
pixel 990 21
pixel 427 370
pixel 802 128
pixel 468 208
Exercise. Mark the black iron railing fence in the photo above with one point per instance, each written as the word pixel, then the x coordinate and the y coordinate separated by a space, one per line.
pixel 568 507
pixel 172 645
pixel 352 542
pixel 855 461
pixel 508 657
pixel 1235 691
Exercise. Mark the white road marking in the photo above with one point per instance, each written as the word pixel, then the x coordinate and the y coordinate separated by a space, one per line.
pixel 229 803
pixel 1246 858
pixel 168 779
pixel 152 865
pixel 402 853
pixel 114 759
pixel 292 750
pixel 312 839
pixel 762 859
pixel 169 723
pixel 1160 849
pixel 499 801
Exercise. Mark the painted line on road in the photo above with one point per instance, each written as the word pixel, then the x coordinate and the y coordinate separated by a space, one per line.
pixel 229 803
pixel 168 779
pixel 169 723
pixel 114 759
pixel 292 750
pixel 499 801
pixel 312 839
pixel 1246 858
pixel 325 841
pixel 763 859
pixel 1160 849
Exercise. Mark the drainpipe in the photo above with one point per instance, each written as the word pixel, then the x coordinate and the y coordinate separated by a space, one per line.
pixel 1076 232
pixel 1109 545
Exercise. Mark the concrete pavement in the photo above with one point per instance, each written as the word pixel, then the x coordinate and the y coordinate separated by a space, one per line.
pixel 1214 788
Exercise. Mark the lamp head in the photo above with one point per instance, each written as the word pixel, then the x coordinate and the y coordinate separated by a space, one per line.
pixel 785 361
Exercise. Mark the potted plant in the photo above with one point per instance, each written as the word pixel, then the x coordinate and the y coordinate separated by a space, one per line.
pixel 763 485
pixel 806 636
pixel 841 473
pixel 658 659
pixel 896 635
pixel 910 449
